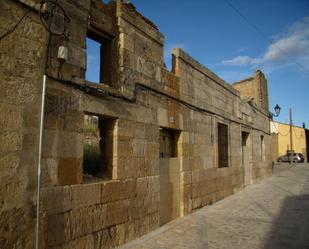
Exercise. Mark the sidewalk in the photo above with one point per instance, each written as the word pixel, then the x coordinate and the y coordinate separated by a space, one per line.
pixel 271 215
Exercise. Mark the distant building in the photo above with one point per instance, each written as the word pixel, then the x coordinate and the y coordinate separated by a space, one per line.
pixel 281 140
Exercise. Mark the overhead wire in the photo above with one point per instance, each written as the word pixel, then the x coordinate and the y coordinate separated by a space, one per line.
pixel 284 135
pixel 89 89
pixel 259 31
pixel 293 128
pixel 11 30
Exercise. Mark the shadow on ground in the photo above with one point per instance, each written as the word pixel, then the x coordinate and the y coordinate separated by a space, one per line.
pixel 290 230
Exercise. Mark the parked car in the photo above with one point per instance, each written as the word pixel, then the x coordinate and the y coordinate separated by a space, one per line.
pixel 292 157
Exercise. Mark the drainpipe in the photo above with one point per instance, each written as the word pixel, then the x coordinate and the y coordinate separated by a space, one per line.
pixel 37 227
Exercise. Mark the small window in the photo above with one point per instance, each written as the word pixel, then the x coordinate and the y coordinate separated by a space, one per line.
pixel 223 146
pixel 168 143
pixel 99 58
pixel 98 147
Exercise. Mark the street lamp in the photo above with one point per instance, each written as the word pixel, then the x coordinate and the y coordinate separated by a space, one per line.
pixel 277 109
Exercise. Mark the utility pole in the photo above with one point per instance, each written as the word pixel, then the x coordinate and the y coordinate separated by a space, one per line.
pixel 291 134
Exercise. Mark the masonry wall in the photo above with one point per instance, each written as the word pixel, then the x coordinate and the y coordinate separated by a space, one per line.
pixel 22 57
pixel 143 98
pixel 254 88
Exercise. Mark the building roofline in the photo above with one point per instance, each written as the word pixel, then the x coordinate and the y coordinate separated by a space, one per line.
pixel 241 81
pixel 289 125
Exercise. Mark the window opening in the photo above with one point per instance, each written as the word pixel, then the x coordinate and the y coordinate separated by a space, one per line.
pixel 99 58
pixel 168 143
pixel 222 145
pixel 98 147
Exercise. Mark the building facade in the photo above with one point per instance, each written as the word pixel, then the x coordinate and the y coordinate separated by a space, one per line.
pixel 281 141
pixel 124 155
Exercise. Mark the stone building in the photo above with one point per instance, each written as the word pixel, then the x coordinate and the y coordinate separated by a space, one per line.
pixel 254 88
pixel 120 157
pixel 281 141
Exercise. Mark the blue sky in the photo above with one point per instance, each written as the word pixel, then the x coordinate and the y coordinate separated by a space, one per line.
pixel 218 37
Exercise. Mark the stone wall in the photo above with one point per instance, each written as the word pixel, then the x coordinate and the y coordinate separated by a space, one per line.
pixel 255 88
pixel 142 97
pixel 22 57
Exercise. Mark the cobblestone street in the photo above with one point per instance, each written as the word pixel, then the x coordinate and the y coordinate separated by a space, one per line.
pixel 273 214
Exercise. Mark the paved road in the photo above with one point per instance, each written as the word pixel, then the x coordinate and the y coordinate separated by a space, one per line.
pixel 271 215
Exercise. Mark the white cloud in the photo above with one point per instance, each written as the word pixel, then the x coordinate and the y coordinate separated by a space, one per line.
pixel 292 44
pixel 242 49
pixel 238 61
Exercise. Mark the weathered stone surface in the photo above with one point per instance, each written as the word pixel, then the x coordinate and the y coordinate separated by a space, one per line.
pixel 10 142
pixel 135 189
pixel 70 171
pixel 117 190
pixel 86 195
pixel 58 200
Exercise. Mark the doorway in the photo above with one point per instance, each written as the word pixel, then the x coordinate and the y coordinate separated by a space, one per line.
pixel 169 170
pixel 245 158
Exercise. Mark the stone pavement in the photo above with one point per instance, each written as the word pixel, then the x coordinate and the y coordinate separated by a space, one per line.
pixel 273 214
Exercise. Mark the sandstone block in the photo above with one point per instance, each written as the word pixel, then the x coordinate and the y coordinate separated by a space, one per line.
pixel 99 217
pixel 70 171
pixel 50 146
pixel 9 164
pixel 139 147
pixel 162 117
pixel 77 56
pixel 79 222
pixel 57 199
pixel 140 131
pixel 84 195
pixel 147 185
pixel 126 42
pixel 152 149
pixel 50 172
pixel 11 117
pixel 117 190
pixel 10 142
pixel 71 144
pixel 118 212
pixel 56 225
pixel 79 243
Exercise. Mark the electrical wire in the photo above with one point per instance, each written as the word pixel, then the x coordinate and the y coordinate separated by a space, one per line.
pixel 141 87
pixel 284 135
pixel 293 128
pixel 7 33
pixel 259 31
pixel 46 14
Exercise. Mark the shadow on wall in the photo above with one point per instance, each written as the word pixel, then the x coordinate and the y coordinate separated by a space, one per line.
pixel 169 189
pixel 291 228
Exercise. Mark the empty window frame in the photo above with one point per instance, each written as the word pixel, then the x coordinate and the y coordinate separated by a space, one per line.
pixel 99 58
pixel 168 143
pixel 223 148
pixel 98 147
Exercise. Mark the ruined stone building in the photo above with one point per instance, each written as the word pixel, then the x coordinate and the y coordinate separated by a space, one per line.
pixel 125 155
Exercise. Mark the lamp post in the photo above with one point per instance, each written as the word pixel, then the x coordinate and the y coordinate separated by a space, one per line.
pixel 291 129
